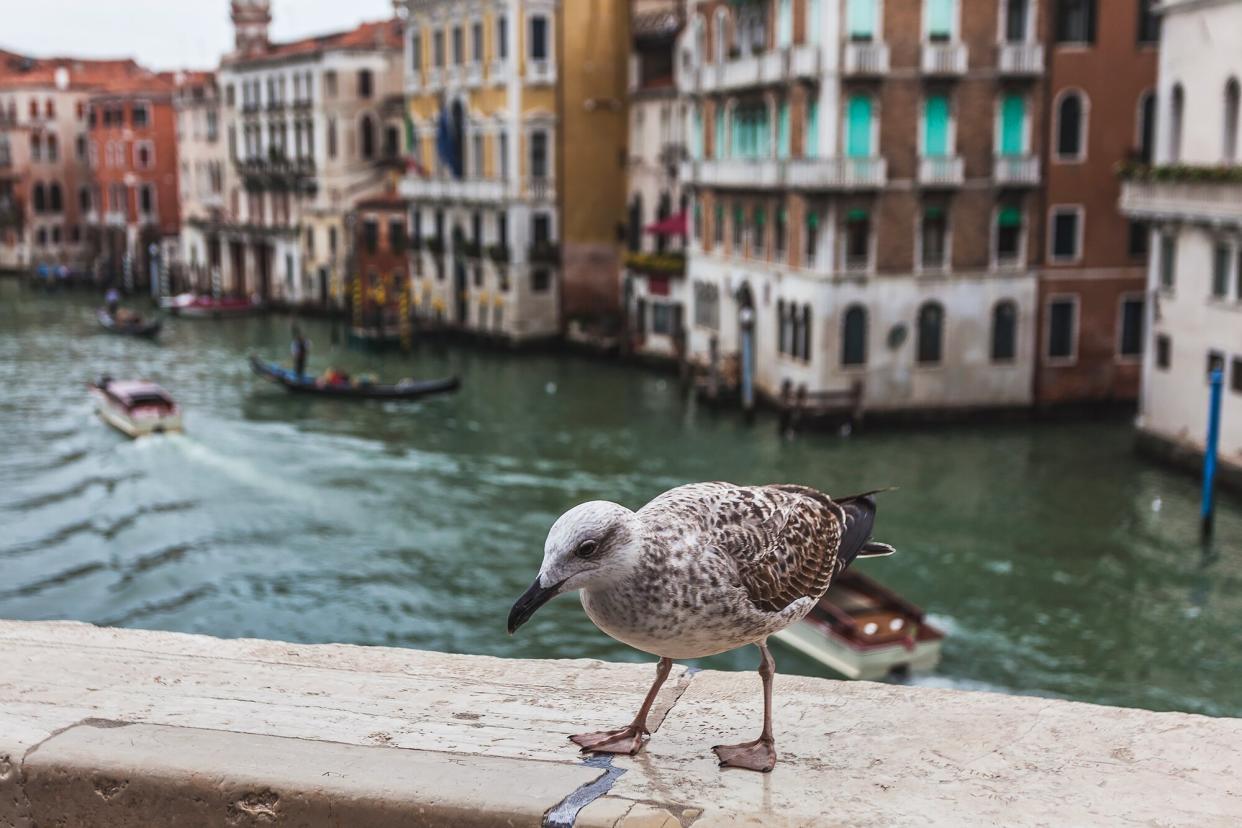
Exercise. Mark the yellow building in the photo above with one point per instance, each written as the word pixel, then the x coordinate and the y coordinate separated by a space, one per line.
pixel 517 177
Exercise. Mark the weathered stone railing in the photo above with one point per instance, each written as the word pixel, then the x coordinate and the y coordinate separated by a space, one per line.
pixel 102 727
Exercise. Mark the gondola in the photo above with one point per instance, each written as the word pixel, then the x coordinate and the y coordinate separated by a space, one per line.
pixel 133 326
pixel 404 390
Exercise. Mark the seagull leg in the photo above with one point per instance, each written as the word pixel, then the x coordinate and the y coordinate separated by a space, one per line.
pixel 627 739
pixel 759 755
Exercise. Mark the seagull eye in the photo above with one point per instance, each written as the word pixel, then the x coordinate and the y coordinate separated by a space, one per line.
pixel 586 549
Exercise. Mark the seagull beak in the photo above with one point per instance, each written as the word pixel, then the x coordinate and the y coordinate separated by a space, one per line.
pixel 531 600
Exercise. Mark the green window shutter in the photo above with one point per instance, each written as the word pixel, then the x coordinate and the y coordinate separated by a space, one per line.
pixel 720 132
pixel 1013 123
pixel 782 131
pixel 936 126
pixel 810 147
pixel 812 21
pixel 1009 217
pixel 934 212
pixel 857 214
pixel 858 127
pixel 739 216
pixel 939 19
pixel 860 18
pixel 759 217
pixel 812 221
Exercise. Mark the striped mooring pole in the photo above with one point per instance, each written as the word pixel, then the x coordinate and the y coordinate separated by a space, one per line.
pixel 1207 513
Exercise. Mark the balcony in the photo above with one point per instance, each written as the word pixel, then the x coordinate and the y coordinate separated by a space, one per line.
pixel 275 173
pixel 539 189
pixel 498 72
pixel 804 62
pixel 758 69
pixel 944 59
pixel 435 78
pixel 865 59
pixel 747 173
pixel 941 171
pixel 474 75
pixel 837 173
pixel 303 104
pixel 1024 59
pixel 1206 202
pixel 540 72
pixel 466 191
pixel 656 264
pixel 1016 170
pixel 275 106
pixel 544 253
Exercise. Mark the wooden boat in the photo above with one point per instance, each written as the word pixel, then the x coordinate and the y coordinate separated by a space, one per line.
pixel 404 390
pixel 131 325
pixel 136 408
pixel 865 631
pixel 192 306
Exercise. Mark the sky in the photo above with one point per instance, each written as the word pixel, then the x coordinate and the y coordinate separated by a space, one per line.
pixel 163 34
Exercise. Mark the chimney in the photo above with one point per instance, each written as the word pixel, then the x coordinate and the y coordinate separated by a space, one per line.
pixel 251 19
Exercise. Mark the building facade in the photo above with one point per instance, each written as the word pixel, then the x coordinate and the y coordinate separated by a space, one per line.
pixel 517 179
pixel 379 290
pixel 657 210
pixel 134 205
pixel 305 135
pixel 866 180
pixel 1101 100
pixel 1191 197
pixel 45 170
pixel 201 157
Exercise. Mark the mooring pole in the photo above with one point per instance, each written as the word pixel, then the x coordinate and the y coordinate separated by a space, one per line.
pixel 747 320
pixel 1208 512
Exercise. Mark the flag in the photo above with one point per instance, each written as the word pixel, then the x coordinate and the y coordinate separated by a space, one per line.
pixel 446 147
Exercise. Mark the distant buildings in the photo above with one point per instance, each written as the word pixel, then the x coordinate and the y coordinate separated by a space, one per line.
pixel 202 156
pixel 517 179
pixel 1191 197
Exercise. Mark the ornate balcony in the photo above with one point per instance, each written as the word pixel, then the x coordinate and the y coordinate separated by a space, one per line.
pixel 474 75
pixel 941 171
pixel 1021 59
pixel 540 72
pixel 1196 195
pixel 278 174
pixel 838 173
pixel 1016 170
pixel 498 72
pixel 466 190
pixel 865 59
pixel 944 59
pixel 735 172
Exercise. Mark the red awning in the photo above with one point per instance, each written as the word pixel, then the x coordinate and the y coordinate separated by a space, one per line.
pixel 675 225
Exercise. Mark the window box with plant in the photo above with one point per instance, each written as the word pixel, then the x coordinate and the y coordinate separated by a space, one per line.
pixel 657 264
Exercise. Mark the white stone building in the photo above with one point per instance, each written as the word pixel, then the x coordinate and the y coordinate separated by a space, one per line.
pixel 1192 198
pixel 201 158
pixel 308 131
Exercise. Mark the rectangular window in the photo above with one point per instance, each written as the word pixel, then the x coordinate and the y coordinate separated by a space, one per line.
pixel 1015 21
pixel 760 238
pixel 437 48
pixel 396 235
pixel 370 236
pixel 538 37
pixel 1136 243
pixel 1168 262
pixel 1075 21
pixel 140 115
pixel 539 154
pixel 416 50
pixel 1215 362
pixel 812 238
pixel 934 237
pixel 661 318
pixel 1062 320
pixel 939 20
pixel 858 127
pixel 1222 258
pixel 857 239
pixel 1164 352
pixel 936 126
pixel 739 226
pixel 1131 344
pixel 860 20
pixel 476 42
pixel 1008 235
pixel 502 37
pixel 459 56
pixel 1013 125
pixel 146 200
pixel 1149 23
pixel 1065 234
pixel 1235 382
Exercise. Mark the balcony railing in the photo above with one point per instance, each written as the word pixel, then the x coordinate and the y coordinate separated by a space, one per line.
pixel 735 172
pixel 1016 170
pixel 544 253
pixel 863 173
pixel 758 69
pixel 537 188
pixel 467 190
pixel 865 59
pixel 498 72
pixel 804 62
pixel 275 106
pixel 540 72
pixel 944 59
pixel 1021 59
pixel 474 74
pixel 1209 202
pixel 261 174
pixel 941 171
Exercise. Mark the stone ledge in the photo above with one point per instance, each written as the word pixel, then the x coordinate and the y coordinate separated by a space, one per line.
pixel 120 727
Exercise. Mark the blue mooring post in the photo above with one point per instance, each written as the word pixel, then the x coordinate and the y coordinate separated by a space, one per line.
pixel 1208 511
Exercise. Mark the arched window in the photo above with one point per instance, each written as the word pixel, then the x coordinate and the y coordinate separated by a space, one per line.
pixel 1071 138
pixel 1147 127
pixel 39 198
pixel 931 333
pixel 55 198
pixel 367 135
pixel 1004 331
pixel 854 336
pixel 1177 106
pixel 1231 121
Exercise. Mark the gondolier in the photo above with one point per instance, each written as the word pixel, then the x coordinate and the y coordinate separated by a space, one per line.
pixel 300 349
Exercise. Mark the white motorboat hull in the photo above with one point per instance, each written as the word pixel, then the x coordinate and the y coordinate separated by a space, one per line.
pixel 869 663
pixel 137 426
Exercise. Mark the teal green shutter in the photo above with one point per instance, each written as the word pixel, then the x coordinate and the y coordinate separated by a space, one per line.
pixel 1013 122
pixel 812 21
pixel 936 126
pixel 810 148
pixel 858 127
pixel 1009 217
pixel 720 132
pixel 860 18
pixel 782 130
pixel 939 19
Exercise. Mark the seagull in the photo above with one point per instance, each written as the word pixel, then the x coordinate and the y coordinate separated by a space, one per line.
pixel 701 569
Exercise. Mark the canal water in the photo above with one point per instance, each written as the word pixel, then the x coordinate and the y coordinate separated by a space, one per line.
pixel 1060 564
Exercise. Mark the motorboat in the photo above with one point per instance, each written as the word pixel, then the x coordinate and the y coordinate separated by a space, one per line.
pixel 136 408
pixel 196 306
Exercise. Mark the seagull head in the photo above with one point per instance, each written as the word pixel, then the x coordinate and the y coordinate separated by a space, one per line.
pixel 590 546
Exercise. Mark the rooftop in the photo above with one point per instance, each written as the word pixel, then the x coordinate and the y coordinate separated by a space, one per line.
pixel 381 34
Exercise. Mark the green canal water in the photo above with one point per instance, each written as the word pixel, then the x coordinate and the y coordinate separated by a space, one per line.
pixel 1059 563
